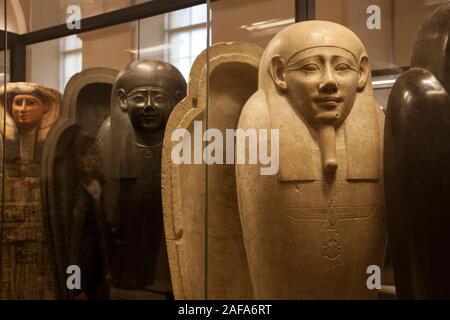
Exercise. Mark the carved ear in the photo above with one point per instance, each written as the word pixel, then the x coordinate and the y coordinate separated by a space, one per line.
pixel 122 96
pixel 364 70
pixel 46 107
pixel 179 96
pixel 277 72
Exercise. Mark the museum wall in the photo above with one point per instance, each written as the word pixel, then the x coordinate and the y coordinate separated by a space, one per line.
pixel 353 15
pixel 237 20
pixel 110 47
pixel 16 18
pixel 43 63
pixel 38 16
pixel 409 15
pixel 152 39
pixel 389 46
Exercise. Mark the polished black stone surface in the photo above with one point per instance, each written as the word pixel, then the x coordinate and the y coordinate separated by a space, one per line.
pixel 417 166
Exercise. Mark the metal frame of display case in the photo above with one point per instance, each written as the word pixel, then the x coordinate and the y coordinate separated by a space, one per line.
pixel 17 43
pixel 304 10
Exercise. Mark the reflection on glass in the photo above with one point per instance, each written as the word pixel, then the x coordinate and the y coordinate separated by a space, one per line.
pixel 180 18
pixel 4 69
pixel 71 43
pixel 44 63
pixel 72 65
pixel 180 45
pixel 37 15
pixel 390 46
pixel 198 41
pixel 198 14
pixel 242 20
pixel 186 32
pixel 177 37
pixel 71 58
pixel 52 63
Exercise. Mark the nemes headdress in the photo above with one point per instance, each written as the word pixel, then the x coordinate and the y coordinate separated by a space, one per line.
pixel 295 141
pixel 307 35
pixel 152 72
pixel 51 98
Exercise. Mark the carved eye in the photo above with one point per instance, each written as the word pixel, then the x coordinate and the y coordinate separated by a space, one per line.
pixel 18 102
pixel 160 98
pixel 30 103
pixel 310 67
pixel 138 99
pixel 342 67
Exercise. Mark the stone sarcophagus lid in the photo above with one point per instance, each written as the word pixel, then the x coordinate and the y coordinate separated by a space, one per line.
pixel 312 230
pixel 201 217
pixel 143 96
pixel 72 185
pixel 417 165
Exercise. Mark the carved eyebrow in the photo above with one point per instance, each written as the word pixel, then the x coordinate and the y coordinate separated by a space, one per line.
pixel 297 64
pixel 159 92
pixel 336 56
pixel 137 91
pixel 352 64
pixel 289 62
pixel 146 90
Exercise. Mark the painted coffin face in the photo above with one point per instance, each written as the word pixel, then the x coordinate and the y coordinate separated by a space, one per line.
pixel 28 110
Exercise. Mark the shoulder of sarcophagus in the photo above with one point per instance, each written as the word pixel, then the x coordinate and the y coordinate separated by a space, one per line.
pixel 414 90
pixel 255 114
pixel 102 143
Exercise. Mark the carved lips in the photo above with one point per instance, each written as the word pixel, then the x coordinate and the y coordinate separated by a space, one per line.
pixel 328 102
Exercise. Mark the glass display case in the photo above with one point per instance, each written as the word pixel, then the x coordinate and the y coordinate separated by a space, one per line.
pixel 209 150
pixel 56 218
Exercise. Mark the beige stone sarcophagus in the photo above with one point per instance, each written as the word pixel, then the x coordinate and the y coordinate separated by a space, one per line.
pixel 312 230
pixel 201 217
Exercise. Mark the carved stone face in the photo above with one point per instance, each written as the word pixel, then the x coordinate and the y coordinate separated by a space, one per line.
pixel 147 107
pixel 27 111
pixel 322 84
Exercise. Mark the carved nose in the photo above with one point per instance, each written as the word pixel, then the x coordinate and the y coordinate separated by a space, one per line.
pixel 329 88
pixel 149 107
pixel 150 104
pixel 328 85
